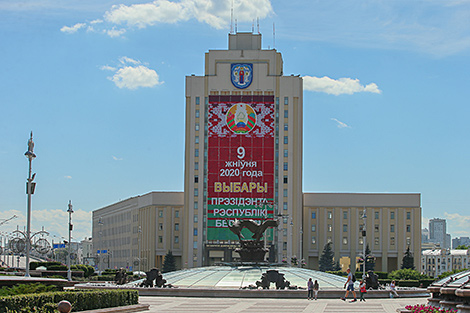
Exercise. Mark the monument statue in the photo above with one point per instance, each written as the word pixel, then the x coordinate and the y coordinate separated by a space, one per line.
pixel 251 250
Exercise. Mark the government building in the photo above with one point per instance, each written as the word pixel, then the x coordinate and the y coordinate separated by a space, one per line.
pixel 243 160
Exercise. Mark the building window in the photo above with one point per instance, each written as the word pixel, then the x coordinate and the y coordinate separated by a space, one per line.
pixel 196 139
pixel 285 192
pixel 284 231
pixel 177 213
pixel 195 231
pixel 286 127
pixel 196 179
pixel 286 140
pixel 285 206
pixel 330 215
pixel 177 239
pixel 286 113
pixel 277 100
pixel 408 215
pixel 177 226
pixel 194 244
pixel 285 166
pixel 160 226
pixel 392 228
pixel 314 215
pixel 196 192
pixel 197 100
pixel 376 215
pixel 345 215
pixel 314 228
pixel 285 179
pixel 196 153
pixel 284 219
pixel 284 245
pixel 345 240
pixel 408 241
pixel 195 218
pixel 314 240
pixel 286 153
pixel 392 215
pixel 376 241
pixel 408 228
pixel 330 227
pixel 197 113
pixel 345 228
pixel 197 126
pixel 195 205
pixel 392 241
pixel 160 239
pixel 286 100
pixel 160 213
pixel 329 240
pixel 376 227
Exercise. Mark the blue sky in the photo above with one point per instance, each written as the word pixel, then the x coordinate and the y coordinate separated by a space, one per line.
pixel 101 85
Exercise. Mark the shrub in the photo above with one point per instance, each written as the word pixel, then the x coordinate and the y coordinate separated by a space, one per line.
pixel 406 274
pixel 408 283
pixel 80 300
pixel 22 289
pixel 426 282
pixel 421 308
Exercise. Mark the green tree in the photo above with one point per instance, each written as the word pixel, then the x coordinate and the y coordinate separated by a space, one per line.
pixel 406 274
pixel 337 267
pixel 326 261
pixel 370 261
pixel 169 264
pixel 462 247
pixel 408 260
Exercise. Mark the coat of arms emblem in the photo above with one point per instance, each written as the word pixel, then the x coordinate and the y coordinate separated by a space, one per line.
pixel 242 75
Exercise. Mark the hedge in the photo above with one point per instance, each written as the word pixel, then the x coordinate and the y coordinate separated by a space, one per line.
pixel 81 300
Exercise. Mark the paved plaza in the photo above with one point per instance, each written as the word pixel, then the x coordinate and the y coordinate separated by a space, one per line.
pixel 226 305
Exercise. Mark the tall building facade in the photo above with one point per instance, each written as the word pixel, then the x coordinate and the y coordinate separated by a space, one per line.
pixel 438 232
pixel 243 160
pixel 243 154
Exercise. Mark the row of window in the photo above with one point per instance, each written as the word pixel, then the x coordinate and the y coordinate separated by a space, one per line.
pixel 376 214
pixel 361 240
pixel 177 213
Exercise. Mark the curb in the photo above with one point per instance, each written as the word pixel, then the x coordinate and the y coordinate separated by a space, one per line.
pixel 121 309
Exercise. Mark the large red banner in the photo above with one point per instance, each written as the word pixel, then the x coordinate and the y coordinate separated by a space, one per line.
pixel 240 162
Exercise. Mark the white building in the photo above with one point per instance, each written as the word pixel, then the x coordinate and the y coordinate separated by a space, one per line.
pixel 437 261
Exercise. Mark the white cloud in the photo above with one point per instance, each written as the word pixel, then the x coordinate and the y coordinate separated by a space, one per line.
pixel 125 60
pixel 340 86
pixel 68 177
pixel 458 220
pixel 73 29
pixel 108 68
pixel 340 124
pixel 132 74
pixel 115 32
pixel 117 159
pixel 215 13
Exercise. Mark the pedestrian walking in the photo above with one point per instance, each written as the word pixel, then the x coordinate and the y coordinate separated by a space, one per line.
pixel 310 289
pixel 350 286
pixel 316 287
pixel 393 290
pixel 362 289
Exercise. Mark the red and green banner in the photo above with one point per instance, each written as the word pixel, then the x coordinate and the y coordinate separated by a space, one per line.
pixel 240 162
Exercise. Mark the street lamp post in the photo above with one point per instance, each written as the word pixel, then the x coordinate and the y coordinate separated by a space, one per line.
pixel 30 190
pixel 364 216
pixel 70 211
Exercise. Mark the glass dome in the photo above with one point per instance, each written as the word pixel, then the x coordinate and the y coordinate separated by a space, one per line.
pixel 243 276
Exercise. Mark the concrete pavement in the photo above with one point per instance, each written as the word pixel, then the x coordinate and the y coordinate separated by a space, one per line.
pixel 232 305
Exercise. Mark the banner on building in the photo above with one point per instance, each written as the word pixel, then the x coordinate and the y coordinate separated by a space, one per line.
pixel 240 162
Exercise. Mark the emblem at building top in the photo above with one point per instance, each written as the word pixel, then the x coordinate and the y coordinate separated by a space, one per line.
pixel 242 75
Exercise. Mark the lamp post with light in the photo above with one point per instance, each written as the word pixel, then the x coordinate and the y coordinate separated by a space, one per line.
pixel 364 216
pixel 70 211
pixel 30 186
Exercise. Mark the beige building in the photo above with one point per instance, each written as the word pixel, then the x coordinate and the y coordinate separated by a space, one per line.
pixel 243 159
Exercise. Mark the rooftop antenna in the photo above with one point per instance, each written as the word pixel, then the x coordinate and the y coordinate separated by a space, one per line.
pixel 274 36
pixel 257 23
pixel 236 26
pixel 253 26
pixel 231 19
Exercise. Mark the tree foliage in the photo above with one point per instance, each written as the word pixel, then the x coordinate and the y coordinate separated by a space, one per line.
pixel 370 260
pixel 169 264
pixel 462 247
pixel 406 274
pixel 408 260
pixel 327 262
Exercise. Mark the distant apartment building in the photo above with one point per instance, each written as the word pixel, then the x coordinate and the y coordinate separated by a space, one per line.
pixel 460 241
pixel 438 232
pixel 437 261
